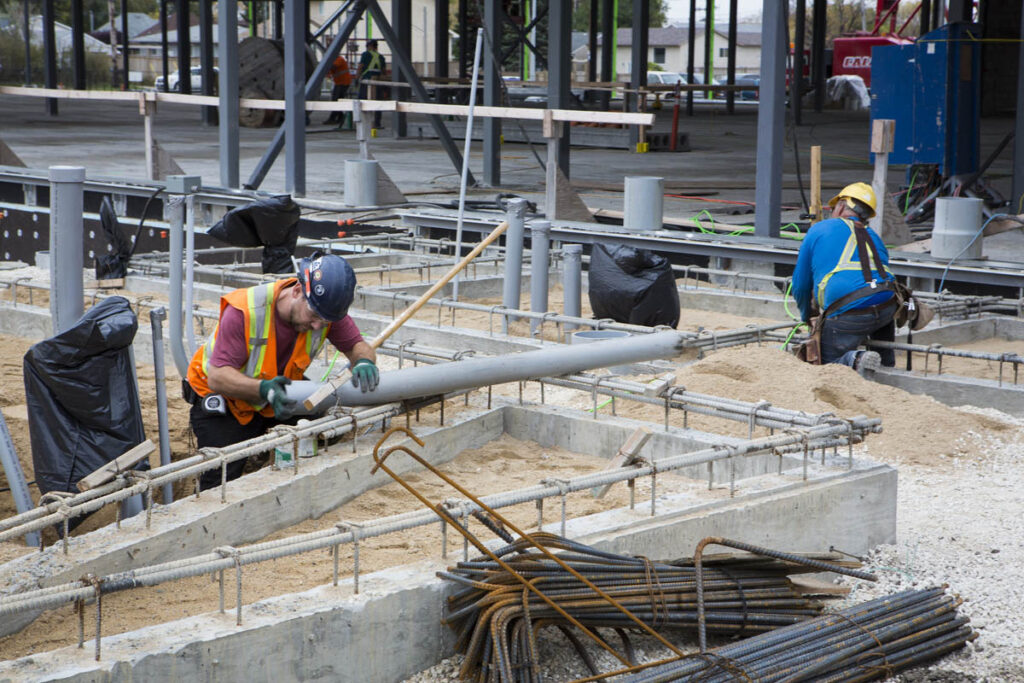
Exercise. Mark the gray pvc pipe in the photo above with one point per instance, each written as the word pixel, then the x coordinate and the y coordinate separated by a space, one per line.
pixel 572 281
pixel 190 263
pixel 156 319
pixel 540 246
pixel 176 223
pixel 429 380
pixel 643 203
pixel 361 182
pixel 513 284
pixel 67 241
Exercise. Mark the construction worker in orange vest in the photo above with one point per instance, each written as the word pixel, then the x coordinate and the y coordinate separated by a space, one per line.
pixel 342 77
pixel 266 337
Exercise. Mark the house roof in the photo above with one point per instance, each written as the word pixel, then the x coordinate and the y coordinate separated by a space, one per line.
pixel 137 23
pixel 747 35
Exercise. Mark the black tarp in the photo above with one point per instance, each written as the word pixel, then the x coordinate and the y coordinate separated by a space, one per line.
pixel 115 264
pixel 271 223
pixel 633 286
pixel 82 398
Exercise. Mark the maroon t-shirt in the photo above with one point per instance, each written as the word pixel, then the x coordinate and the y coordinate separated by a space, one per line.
pixel 230 350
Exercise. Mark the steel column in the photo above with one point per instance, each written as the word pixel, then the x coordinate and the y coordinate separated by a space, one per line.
pixel 638 67
pixel 227 134
pixel 441 46
pixel 540 262
pixel 183 28
pixel 796 85
pixel 925 17
pixel 691 50
pixel 492 91
pixel 770 121
pixel 294 99
pixel 164 65
pixel 401 21
pixel 27 37
pixel 730 97
pixel 608 40
pixel 312 89
pixel 78 44
pixel 572 281
pixel 1018 137
pixel 124 44
pixel 512 283
pixel 50 54
pixel 560 71
pixel 206 55
pixel 818 53
pixel 592 42
pixel 67 241
pixel 709 40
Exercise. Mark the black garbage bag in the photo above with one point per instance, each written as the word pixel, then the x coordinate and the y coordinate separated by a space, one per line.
pixel 115 264
pixel 633 286
pixel 82 398
pixel 271 223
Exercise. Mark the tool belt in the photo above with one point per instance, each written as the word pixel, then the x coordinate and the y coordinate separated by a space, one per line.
pixel 214 404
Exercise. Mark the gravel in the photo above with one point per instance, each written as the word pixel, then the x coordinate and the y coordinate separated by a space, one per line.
pixel 960 523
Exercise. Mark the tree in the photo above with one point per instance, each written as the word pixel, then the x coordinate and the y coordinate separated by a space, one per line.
pixel 659 14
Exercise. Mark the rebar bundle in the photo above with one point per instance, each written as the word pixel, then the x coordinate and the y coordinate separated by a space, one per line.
pixel 497 619
pixel 869 641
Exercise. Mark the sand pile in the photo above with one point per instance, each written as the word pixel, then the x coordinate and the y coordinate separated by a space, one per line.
pixel 916 429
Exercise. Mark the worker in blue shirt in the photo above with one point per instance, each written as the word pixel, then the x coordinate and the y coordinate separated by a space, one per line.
pixel 842 270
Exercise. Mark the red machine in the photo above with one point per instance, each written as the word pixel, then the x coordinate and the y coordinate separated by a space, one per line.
pixel 851 55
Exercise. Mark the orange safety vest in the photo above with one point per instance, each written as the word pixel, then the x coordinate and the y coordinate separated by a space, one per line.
pixel 257 305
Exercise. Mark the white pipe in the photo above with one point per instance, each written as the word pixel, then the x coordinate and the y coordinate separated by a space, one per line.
pixel 190 261
pixel 465 158
pixel 430 380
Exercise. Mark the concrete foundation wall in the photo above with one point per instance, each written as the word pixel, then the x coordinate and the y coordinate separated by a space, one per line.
pixel 959 391
pixel 392 630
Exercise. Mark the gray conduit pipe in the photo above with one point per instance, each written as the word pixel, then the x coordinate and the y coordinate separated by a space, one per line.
pixel 480 372
pixel 572 281
pixel 540 256
pixel 176 221
pixel 66 239
pixel 156 319
pixel 190 262
pixel 512 286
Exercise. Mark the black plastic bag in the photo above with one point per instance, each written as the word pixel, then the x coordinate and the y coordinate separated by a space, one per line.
pixel 115 264
pixel 269 223
pixel 632 286
pixel 82 398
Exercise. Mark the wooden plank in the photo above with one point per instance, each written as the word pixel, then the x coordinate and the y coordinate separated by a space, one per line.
pixel 816 183
pixel 807 585
pixel 659 385
pixel 125 461
pixel 625 457
pixel 882 131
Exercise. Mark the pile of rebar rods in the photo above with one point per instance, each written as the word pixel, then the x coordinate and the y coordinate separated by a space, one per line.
pixel 497 620
pixel 866 642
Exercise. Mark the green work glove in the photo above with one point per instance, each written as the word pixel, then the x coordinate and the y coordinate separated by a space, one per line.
pixel 365 375
pixel 273 392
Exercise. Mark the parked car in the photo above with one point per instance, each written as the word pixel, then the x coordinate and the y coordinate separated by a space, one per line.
pixel 195 76
pixel 666 78
pixel 749 79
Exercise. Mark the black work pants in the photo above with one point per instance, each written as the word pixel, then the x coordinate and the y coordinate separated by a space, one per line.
pixel 216 430
pixel 338 92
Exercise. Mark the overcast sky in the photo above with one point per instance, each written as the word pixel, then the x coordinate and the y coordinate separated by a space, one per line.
pixel 679 10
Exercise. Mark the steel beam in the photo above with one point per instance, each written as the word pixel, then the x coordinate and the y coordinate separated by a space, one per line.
pixel 26 36
pixel 796 85
pixel 730 97
pixel 691 50
pixel 124 43
pixel 492 91
pixel 608 41
pixel 78 44
pixel 1018 136
pixel 441 46
pixel 227 134
pixel 209 114
pixel 770 121
pixel 312 89
pixel 50 54
pixel 295 99
pixel 560 71
pixel 183 28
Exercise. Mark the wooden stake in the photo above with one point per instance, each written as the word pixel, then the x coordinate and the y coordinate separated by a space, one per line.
pixel 816 183
pixel 123 462
pixel 624 458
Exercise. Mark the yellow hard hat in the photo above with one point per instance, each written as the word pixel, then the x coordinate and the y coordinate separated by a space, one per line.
pixel 860 192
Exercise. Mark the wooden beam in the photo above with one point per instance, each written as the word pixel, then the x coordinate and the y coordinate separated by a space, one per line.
pixel 625 457
pixel 123 462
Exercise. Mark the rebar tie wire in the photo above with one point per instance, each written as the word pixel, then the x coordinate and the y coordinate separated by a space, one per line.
pixel 767 552
pixel 529 585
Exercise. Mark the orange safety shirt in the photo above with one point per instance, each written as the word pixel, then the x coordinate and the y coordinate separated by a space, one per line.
pixel 339 72
pixel 257 307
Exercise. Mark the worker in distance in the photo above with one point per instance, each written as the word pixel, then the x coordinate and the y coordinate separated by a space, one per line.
pixel 266 337
pixel 842 275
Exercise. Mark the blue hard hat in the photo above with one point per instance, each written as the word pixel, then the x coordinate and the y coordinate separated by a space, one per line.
pixel 329 284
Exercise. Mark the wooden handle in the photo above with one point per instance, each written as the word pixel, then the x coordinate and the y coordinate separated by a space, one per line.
pixel 123 462
pixel 816 182
pixel 329 387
